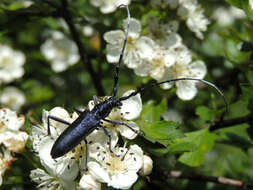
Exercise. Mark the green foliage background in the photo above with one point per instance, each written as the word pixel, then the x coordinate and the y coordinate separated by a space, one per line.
pixel 201 145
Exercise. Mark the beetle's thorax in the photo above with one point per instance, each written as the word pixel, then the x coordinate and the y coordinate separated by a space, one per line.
pixel 103 109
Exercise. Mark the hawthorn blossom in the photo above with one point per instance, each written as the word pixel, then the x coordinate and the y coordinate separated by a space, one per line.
pixel 182 68
pixel 13 98
pixel 11 64
pixel 109 6
pixel 59 173
pixel 118 170
pixel 227 16
pixel 10 135
pixel 5 161
pixel 61 51
pixel 137 47
pixel 193 13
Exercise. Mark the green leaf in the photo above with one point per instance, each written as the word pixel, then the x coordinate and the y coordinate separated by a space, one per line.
pixel 161 131
pixel 205 113
pixel 151 113
pixel 204 140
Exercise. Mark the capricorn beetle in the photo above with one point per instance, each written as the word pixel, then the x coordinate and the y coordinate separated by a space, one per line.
pixel 89 120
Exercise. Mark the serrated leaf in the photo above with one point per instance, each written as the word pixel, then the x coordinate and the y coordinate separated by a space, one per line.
pixel 204 140
pixel 161 131
pixel 181 147
pixel 205 113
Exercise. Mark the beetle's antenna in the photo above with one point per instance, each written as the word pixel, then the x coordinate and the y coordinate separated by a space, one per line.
pixel 116 77
pixel 174 80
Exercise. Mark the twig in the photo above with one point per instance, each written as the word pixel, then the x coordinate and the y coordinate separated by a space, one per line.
pixel 94 76
pixel 218 180
pixel 231 122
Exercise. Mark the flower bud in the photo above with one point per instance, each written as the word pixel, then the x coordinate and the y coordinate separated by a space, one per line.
pixel 147 166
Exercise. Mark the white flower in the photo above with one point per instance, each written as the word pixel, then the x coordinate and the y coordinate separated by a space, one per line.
pixel 147 166
pixel 137 47
pixel 164 33
pixel 11 64
pixel 87 182
pixel 13 98
pixel 61 51
pixel 118 170
pixel 251 4
pixel 10 135
pixel 184 67
pixel 47 181
pixel 192 12
pixel 156 65
pixel 61 172
pixel 5 161
pixel 227 16
pixel 109 6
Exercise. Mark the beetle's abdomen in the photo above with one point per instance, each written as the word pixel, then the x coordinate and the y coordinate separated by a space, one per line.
pixel 74 134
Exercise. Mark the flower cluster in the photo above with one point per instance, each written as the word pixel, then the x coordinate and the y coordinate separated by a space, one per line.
pixel 11 64
pixel 118 168
pixel 61 51
pixel 12 140
pixel 160 54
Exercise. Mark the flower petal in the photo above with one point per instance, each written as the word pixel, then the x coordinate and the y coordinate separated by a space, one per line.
pixel 114 37
pixel 186 90
pixel 134 28
pixel 131 108
pixel 123 181
pixel 126 132
pixel 98 172
pixel 198 69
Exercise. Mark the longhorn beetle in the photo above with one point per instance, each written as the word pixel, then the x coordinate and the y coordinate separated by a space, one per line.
pixel 89 120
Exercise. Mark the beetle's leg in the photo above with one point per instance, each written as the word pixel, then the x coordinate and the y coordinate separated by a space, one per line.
pixel 122 123
pixel 56 119
pixel 78 111
pixel 95 99
pixel 87 155
pixel 109 136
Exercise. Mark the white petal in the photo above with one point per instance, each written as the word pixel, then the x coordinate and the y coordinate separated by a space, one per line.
pixel 186 90
pixel 147 166
pixel 114 37
pixel 145 47
pixel 198 69
pixel 123 181
pixel 132 58
pixel 98 172
pixel 134 28
pixel 134 158
pixel 113 53
pixel 87 182
pixel 131 108
pixel 126 132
